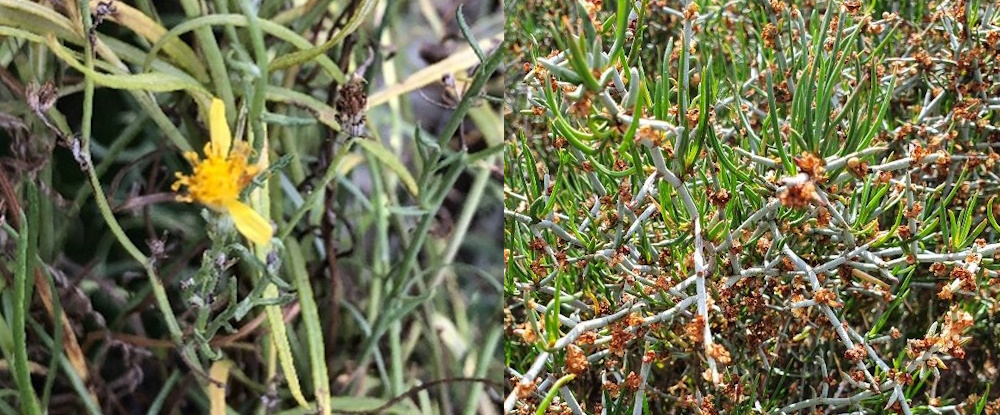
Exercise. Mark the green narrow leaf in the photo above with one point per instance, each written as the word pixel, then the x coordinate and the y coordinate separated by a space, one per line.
pixel 153 82
pixel 467 33
pixel 279 338
pixel 773 119
pixel 989 215
pixel 311 321
pixel 361 11
pixel 392 162
pixel 956 233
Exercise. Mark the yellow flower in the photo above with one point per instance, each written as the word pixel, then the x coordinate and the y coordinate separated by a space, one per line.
pixel 218 179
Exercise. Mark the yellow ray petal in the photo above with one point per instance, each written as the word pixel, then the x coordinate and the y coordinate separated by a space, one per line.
pixel 221 138
pixel 250 223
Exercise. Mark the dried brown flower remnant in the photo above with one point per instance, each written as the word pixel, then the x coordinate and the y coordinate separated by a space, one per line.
pixel 967 278
pixel 632 380
pixel 625 191
pixel 857 375
pixel 811 164
pixel 823 216
pixel 946 293
pixel 918 153
pixel 763 244
pixel 718 352
pixel 967 109
pixel 944 160
pixel 904 232
pixel 958 10
pixel 828 297
pixel 924 59
pixel 576 360
pixel 646 132
pixel 351 106
pixel 852 7
pixel 41 97
pixel 560 143
pixel 719 198
pixel 991 160
pixel 537 245
pixel 693 114
pixel 777 6
pixel 799 191
pixel 525 389
pixel 856 353
pixel 694 328
pixel 619 339
pixel 528 334
pixel 592 7
pixel 634 320
pixel 769 34
pixel 904 131
pixel 914 212
pixel 858 167
pixel 956 323
pixel 895 333
pixel 691 12
pixel 782 94
pixel 612 388
pixel 707 405
pixel 883 177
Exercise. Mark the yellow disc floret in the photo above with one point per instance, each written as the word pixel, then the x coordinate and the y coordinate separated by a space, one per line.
pixel 217 180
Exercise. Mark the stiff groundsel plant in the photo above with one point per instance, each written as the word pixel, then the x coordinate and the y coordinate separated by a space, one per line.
pixel 217 180
pixel 362 275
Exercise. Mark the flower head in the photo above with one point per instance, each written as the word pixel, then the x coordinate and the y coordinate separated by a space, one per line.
pixel 218 179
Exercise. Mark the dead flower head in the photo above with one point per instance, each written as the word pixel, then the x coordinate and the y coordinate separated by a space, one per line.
pixel 799 191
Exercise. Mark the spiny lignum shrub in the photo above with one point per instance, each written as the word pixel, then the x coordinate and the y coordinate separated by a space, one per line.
pixel 765 207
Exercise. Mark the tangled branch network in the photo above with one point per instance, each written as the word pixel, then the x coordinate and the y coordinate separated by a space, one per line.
pixel 753 207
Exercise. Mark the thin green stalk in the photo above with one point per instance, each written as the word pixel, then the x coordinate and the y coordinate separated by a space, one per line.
pixel 380 265
pixel 222 7
pixel 471 96
pixel 161 397
pixel 361 11
pixel 111 156
pixel 310 201
pixel 78 385
pixel 260 83
pixel 213 56
pixel 406 266
pixel 57 347
pixel 260 200
pixel 553 390
pixel 159 292
pixel 482 367
pixel 472 201
pixel 683 139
